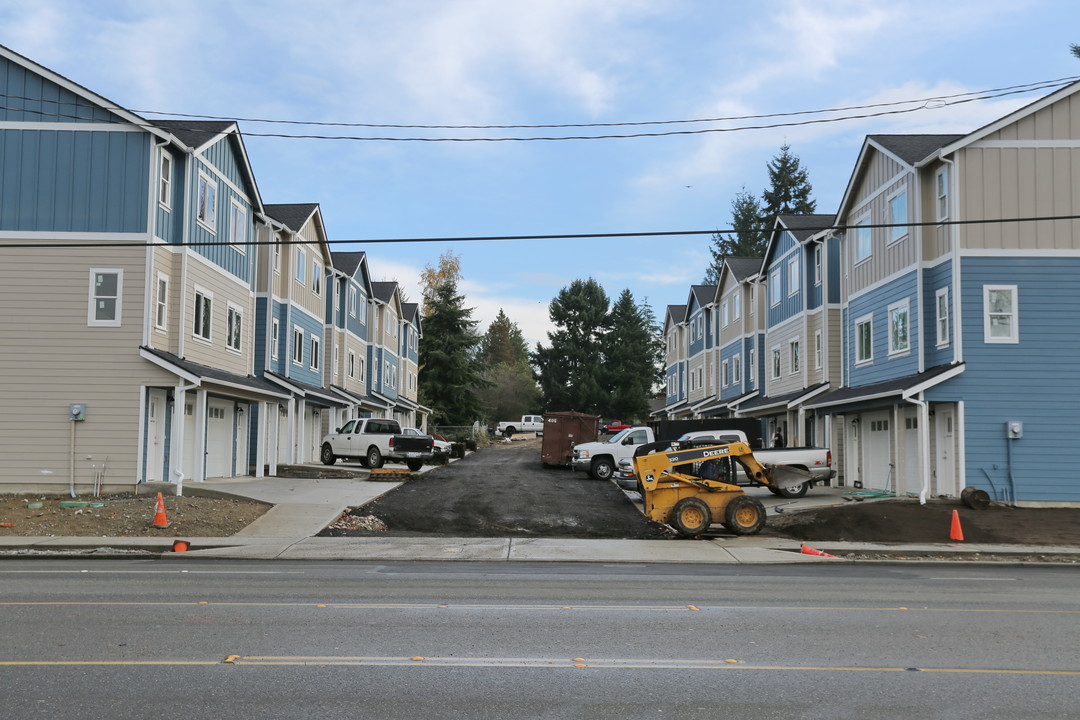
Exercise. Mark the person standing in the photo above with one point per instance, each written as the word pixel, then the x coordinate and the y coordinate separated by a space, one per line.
pixel 778 438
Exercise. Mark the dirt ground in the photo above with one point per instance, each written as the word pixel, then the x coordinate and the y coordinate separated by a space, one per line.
pixel 125 515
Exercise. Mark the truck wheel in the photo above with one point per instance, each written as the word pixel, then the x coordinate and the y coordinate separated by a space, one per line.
pixel 690 517
pixel 327 455
pixel 602 469
pixel 415 465
pixel 508 433
pixel 744 515
pixel 795 491
pixel 374 457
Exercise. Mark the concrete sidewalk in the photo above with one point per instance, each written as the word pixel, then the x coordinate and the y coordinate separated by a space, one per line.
pixel 303 507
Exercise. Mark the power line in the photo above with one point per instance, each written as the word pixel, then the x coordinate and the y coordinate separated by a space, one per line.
pixel 512 238
pixel 668 133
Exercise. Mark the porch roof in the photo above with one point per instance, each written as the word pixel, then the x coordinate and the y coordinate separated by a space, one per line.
pixel 903 387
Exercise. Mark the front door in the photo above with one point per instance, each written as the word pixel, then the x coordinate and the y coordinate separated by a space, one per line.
pixel 910 459
pixel 219 438
pixel 155 436
pixel 877 452
pixel 945 439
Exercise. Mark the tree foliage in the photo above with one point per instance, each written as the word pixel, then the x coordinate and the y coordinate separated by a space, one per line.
pixel 633 358
pixel 512 389
pixel 451 373
pixel 749 240
pixel 448 268
pixel 503 342
pixel 571 367
pixel 789 187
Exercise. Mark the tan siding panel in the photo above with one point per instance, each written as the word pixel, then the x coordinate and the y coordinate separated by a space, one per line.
pixel 225 290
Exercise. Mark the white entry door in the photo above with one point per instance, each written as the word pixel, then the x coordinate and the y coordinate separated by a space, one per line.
pixel 155 436
pixel 910 462
pixel 877 452
pixel 219 438
pixel 945 461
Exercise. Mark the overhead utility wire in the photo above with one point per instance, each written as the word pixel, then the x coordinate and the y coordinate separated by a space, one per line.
pixel 571 137
pixel 570 236
pixel 1025 87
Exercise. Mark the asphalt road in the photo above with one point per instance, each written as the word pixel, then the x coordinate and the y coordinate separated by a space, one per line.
pixel 189 639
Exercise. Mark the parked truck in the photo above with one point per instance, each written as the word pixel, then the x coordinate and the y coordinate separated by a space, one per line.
pixel 613 458
pixel 527 424
pixel 374 440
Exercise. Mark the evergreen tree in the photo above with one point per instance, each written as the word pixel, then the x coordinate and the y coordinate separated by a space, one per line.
pixel 571 369
pixel 635 354
pixel 503 342
pixel 789 188
pixel 450 370
pixel 1075 50
pixel 749 240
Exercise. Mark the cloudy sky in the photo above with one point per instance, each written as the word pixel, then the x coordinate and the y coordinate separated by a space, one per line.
pixel 546 62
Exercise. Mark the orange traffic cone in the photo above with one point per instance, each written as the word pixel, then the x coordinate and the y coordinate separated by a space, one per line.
pixel 956 533
pixel 807 550
pixel 180 546
pixel 160 520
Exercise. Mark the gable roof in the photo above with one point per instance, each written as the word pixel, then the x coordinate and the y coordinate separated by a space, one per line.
pixel 704 294
pixel 409 312
pixel 912 149
pixel 677 313
pixel 743 267
pixel 196 133
pixel 350 264
pixel 293 216
pixel 802 227
pixel 383 291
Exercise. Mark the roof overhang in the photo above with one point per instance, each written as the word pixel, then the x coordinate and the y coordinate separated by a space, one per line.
pixel 902 388
pixel 205 377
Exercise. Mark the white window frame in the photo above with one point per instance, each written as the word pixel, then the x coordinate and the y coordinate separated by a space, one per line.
pixel 301 266
pixel 753 299
pixel 316 278
pixel 352 364
pixel 352 301
pixel 237 226
pixel 736 310
pixel 863 233
pixel 315 361
pixel 206 202
pixel 903 307
pixel 818 350
pixel 794 356
pixel 736 369
pixel 897 232
pixel 277 258
pixel 234 336
pixel 361 377
pixel 867 320
pixel 776 292
pixel 941 193
pixel 942 312
pixel 725 317
pixel 1013 315
pixel 725 374
pixel 817 264
pixel 204 312
pixel 794 281
pixel 752 362
pixel 92 318
pixel 161 302
pixel 777 361
pixel 165 173
pixel 299 340
pixel 275 337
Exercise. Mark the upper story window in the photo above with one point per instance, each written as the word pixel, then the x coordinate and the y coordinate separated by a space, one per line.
pixel 864 340
pixel 352 301
pixel 165 172
pixel 1001 322
pixel 206 207
pixel 277 258
pixel 316 278
pixel 898 328
pixel 106 295
pixel 736 369
pixel 352 364
pixel 301 265
pixel 941 189
pixel 793 276
pixel 275 338
pixel 775 363
pixel 863 239
pixel 298 345
pixel 753 299
pixel 204 304
pixel 817 264
pixel 724 317
pixel 735 310
pixel 775 291
pixel 237 226
pixel 236 330
pixel 898 217
pixel 161 302
pixel 793 349
pixel 316 354
pixel 817 350
pixel 941 304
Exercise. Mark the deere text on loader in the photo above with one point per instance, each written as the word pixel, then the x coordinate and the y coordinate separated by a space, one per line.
pixel 694 485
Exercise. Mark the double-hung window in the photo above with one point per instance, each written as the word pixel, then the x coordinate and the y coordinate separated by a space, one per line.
pixel 298 345
pixel 106 295
pixel 165 180
pixel 316 278
pixel 236 329
pixel 793 276
pixel 237 226
pixel 775 291
pixel 352 301
pixel 899 341
pixel 736 369
pixel 793 350
pixel 941 189
pixel 206 205
pixel 204 306
pixel 941 303
pixel 864 340
pixel 817 350
pixel 863 239
pixel 1001 321
pixel 275 338
pixel 352 364
pixel 898 217
pixel 817 264
pixel 775 363
pixel 161 302
pixel 316 354
pixel 301 265
pixel 736 312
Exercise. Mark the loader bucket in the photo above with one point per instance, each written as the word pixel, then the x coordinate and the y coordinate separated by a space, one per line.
pixel 786 477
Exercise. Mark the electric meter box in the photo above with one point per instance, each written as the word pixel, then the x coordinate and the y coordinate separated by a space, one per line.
pixel 77 412
pixel 1014 430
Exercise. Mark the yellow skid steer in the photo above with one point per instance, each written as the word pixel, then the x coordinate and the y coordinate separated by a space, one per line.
pixel 692 486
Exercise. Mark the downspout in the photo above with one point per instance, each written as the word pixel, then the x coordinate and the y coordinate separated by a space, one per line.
pixel 954 235
pixel 924 444
pixel 179 456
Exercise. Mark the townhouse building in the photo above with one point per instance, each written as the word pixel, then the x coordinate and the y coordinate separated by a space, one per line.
pixel 700 350
pixel 740 341
pixel 408 410
pixel 676 333
pixel 383 351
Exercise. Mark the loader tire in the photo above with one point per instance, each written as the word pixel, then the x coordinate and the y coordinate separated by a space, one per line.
pixel 690 517
pixel 744 515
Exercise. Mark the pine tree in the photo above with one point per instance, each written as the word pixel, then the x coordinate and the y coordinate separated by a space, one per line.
pixel 450 370
pixel 571 369
pixel 789 188
pixel 503 342
pixel 749 240
pixel 512 389
pixel 634 359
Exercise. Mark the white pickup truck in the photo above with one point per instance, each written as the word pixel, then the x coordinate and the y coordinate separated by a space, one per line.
pixel 373 440
pixel 614 457
pixel 527 424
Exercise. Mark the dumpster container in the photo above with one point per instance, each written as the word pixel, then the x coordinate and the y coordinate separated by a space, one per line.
pixel 563 430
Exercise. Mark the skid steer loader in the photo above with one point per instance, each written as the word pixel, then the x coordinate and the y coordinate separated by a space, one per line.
pixel 694 485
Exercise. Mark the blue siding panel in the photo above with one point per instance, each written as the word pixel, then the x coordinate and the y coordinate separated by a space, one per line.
pixel 876 303
pixel 32 98
pixel 239 263
pixel 64 181
pixel 935 279
pixel 1035 381
pixel 310 326
pixel 790 303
